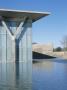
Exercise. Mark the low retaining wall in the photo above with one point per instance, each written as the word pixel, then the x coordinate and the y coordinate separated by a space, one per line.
pixel 56 54
pixel 60 54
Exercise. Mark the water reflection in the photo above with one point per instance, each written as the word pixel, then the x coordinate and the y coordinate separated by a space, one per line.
pixel 50 75
pixel 43 65
pixel 15 76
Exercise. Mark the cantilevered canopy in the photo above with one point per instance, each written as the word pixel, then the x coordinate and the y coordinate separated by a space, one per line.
pixel 20 14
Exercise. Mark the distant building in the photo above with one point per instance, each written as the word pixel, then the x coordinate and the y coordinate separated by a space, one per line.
pixel 43 48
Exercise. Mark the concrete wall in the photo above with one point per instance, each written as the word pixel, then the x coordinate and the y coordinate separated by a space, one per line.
pixel 42 48
pixel 48 50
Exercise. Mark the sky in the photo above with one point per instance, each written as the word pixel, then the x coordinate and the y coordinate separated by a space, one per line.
pixel 50 29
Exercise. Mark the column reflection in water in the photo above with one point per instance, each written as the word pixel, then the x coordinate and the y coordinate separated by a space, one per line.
pixel 15 76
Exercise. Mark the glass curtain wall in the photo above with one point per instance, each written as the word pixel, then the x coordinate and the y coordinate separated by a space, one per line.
pixel 21 48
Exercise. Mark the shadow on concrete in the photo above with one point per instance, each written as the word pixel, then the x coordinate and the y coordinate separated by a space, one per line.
pixel 37 55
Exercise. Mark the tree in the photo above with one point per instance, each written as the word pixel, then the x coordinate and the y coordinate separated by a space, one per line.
pixel 64 43
pixel 58 49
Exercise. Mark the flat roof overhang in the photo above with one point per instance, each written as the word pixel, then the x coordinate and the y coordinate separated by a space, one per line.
pixel 20 14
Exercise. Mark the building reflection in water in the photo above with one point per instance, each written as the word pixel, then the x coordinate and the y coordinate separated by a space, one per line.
pixel 15 76
pixel 43 65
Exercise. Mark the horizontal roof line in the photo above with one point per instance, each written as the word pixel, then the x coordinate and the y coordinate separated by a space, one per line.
pixel 20 14
pixel 24 11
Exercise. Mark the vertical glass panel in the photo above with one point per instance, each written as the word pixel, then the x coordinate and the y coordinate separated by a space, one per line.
pixel 29 41
pixel 0 44
pixel 24 48
pixel 3 45
pixel 9 44
pixel 13 51
pixel 20 51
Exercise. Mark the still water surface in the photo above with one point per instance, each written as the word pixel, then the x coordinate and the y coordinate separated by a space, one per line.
pixel 46 75
pixel 50 75
pixel 15 76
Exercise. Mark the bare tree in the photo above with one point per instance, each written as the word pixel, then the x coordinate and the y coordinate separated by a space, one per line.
pixel 64 43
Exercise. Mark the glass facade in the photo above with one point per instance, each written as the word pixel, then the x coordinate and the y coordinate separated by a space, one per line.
pixel 19 49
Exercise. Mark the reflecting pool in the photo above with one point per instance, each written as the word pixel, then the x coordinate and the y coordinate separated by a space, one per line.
pixel 15 76
pixel 50 75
